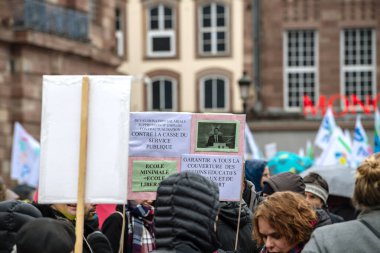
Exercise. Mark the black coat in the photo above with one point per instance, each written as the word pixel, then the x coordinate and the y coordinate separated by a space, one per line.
pixel 227 227
pixel 13 215
pixel 323 218
pixel 94 238
pixel 186 209
pixel 211 140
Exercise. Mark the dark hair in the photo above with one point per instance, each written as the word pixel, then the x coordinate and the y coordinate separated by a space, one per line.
pixel 314 178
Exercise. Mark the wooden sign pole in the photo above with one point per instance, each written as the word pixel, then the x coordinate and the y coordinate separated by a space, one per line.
pixel 79 224
pixel 241 199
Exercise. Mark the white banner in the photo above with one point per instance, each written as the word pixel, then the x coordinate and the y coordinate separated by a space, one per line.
pixel 107 146
pixel 225 171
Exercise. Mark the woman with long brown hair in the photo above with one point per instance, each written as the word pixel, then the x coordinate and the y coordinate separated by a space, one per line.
pixel 283 223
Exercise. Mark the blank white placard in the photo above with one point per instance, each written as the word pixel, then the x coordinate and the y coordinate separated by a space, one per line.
pixel 107 146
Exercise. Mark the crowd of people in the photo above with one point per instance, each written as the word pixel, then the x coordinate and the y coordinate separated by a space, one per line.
pixel 278 213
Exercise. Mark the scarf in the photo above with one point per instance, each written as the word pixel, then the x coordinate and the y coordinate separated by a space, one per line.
pixel 140 229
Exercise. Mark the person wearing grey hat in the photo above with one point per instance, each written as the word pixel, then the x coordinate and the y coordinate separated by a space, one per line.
pixel 317 193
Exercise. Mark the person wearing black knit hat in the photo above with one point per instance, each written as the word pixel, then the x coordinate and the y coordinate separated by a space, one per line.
pixel 286 181
pixel 46 235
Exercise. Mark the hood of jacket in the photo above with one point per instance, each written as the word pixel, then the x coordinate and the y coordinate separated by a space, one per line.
pixel 253 170
pixel 323 218
pixel 13 215
pixel 229 213
pixel 186 209
pixel 286 182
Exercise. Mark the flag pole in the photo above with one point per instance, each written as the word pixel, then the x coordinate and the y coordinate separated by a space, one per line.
pixel 79 224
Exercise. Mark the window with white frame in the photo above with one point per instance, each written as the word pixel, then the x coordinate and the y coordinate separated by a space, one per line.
pixel 358 61
pixel 162 94
pixel 213 29
pixel 161 39
pixel 214 95
pixel 300 61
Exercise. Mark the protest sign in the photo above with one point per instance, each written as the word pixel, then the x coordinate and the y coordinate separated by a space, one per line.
pixel 225 171
pixel 159 134
pixel 108 133
pixel 158 141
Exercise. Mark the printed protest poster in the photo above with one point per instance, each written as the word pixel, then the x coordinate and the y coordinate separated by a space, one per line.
pixel 145 175
pixel 221 133
pixel 107 144
pixel 157 134
pixel 225 171
pixel 159 140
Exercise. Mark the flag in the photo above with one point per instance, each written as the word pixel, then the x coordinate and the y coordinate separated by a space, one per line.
pixel 360 147
pixel 325 130
pixel 25 157
pixel 251 150
pixel 337 152
pixel 301 152
pixel 348 137
pixel 309 150
pixel 377 131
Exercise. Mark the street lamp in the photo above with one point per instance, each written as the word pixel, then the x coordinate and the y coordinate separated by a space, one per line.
pixel 244 83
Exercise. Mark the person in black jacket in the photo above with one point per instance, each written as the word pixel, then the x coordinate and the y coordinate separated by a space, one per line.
pixel 227 227
pixel 215 138
pixel 13 215
pixel 98 243
pixel 185 217
pixel 46 235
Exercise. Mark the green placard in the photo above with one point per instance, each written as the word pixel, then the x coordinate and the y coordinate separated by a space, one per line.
pixel 147 175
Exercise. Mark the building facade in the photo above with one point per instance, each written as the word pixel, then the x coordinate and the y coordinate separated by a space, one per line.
pixel 311 54
pixel 50 37
pixel 185 55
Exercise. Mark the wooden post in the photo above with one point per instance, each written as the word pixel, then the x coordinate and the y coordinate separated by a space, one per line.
pixel 82 167
pixel 241 197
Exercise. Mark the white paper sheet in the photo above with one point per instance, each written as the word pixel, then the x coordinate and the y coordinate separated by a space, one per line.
pixel 225 171
pixel 157 134
pixel 107 147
